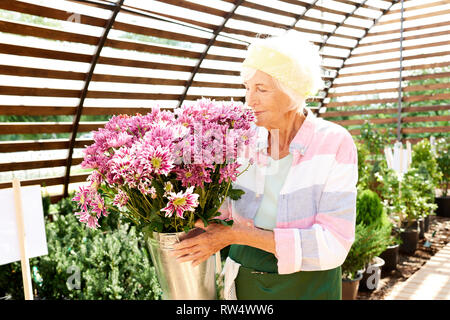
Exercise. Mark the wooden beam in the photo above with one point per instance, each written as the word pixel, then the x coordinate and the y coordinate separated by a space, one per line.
pixel 41 164
pixel 54 181
pixel 38 145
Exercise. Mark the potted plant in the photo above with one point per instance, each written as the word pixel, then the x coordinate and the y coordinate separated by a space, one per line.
pixel 391 254
pixel 426 208
pixel 389 184
pixel 399 198
pixel 369 242
pixel 414 201
pixel 443 160
pixel 370 212
pixel 417 195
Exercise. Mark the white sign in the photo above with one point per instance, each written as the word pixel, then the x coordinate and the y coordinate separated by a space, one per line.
pixel 398 159
pixel 34 227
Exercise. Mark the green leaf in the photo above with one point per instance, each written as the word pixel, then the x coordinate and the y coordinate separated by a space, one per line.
pixel 225 222
pixel 235 194
pixel 205 221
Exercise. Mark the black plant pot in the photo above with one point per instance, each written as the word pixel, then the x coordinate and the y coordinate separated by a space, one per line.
pixel 410 238
pixel 426 223
pixel 418 224
pixel 421 228
pixel 443 206
pixel 372 275
pixel 390 257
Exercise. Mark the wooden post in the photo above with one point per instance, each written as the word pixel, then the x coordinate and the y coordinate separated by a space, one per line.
pixel 25 264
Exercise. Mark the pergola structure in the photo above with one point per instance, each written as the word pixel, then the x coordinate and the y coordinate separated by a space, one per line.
pixel 63 63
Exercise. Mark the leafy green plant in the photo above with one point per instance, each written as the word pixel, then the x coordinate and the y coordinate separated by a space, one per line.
pixel 413 196
pixel 415 200
pixel 388 188
pixel 369 209
pixel 66 205
pixel 11 281
pixel 424 159
pixel 364 166
pixel 370 241
pixel 373 142
pixel 112 261
pixel 443 161
pixel 46 202
pixel 113 264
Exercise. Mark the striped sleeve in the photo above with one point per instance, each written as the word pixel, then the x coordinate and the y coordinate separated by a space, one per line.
pixel 326 243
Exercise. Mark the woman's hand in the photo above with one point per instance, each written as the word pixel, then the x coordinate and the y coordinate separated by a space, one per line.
pixel 198 247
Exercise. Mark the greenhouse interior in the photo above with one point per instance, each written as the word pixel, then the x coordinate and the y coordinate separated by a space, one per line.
pixel 70 67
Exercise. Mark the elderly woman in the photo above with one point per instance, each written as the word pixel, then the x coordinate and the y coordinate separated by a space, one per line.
pixel 295 223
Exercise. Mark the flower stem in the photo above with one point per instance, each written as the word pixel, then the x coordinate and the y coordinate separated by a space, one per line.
pixel 248 166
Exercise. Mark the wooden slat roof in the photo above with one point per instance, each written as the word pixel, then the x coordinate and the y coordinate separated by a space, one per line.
pixel 80 59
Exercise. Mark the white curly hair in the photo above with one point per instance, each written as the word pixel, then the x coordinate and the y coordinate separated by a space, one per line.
pixel 301 77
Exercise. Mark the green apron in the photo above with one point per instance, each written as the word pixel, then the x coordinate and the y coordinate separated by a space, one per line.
pixel 258 279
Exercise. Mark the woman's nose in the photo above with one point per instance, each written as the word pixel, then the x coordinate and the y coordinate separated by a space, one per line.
pixel 251 99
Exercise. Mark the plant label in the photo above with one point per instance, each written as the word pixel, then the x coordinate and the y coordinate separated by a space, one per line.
pixel 34 227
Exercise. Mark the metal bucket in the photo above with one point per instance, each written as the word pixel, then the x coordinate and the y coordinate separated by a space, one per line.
pixel 180 281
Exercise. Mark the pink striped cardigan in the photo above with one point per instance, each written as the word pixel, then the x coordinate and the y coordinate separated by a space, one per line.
pixel 317 203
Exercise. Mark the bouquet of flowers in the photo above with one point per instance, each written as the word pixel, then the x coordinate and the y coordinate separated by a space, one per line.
pixel 164 170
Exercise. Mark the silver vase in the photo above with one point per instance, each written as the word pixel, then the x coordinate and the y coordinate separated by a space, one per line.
pixel 180 281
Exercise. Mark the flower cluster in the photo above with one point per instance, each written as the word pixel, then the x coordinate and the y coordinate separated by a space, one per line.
pixel 165 169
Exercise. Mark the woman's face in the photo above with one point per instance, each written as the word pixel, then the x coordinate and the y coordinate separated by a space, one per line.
pixel 267 100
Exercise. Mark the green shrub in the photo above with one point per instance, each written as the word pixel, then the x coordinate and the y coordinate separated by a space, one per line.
pixel 411 198
pixel 443 161
pixel 46 202
pixel 424 159
pixel 113 263
pixel 66 205
pixel 416 195
pixel 369 209
pixel 369 243
pixel 364 167
pixel 11 281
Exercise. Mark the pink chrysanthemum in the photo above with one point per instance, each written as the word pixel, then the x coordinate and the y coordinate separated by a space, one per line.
pixel 89 218
pixel 121 199
pixel 84 197
pixel 181 202
pixel 120 165
pixel 157 160
pixel 92 206
pixel 229 172
pixel 145 187
pixel 98 206
pixel 120 139
pixel 186 145
pixel 194 175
